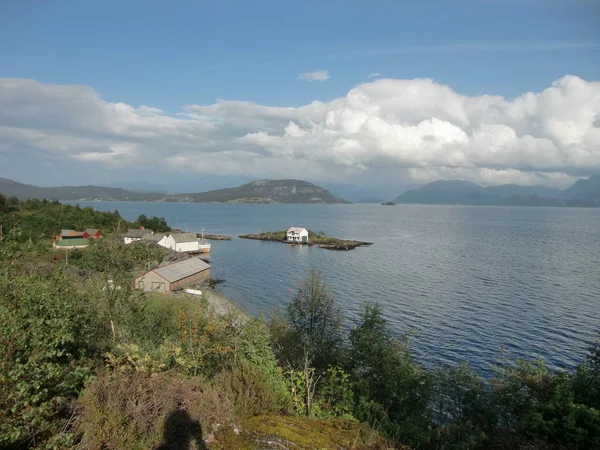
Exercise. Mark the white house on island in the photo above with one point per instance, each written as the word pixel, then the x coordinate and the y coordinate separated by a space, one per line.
pixel 295 234
pixel 181 242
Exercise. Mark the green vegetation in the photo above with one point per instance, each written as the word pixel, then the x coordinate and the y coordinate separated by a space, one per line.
pixel 156 224
pixel 88 362
pixel 40 220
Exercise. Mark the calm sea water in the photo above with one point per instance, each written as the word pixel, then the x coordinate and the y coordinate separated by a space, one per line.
pixel 467 280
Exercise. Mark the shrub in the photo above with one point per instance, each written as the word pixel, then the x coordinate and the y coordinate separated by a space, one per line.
pixel 45 338
pixel 131 409
pixel 386 378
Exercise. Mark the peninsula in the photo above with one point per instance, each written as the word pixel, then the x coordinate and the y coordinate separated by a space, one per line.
pixel 259 191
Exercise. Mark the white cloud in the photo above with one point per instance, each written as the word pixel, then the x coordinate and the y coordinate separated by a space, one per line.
pixel 317 75
pixel 374 75
pixel 417 129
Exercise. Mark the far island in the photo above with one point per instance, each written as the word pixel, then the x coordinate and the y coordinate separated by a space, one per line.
pixel 295 236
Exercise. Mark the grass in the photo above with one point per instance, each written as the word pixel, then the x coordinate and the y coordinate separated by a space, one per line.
pixel 290 432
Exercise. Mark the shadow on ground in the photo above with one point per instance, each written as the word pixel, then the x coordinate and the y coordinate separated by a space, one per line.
pixel 180 431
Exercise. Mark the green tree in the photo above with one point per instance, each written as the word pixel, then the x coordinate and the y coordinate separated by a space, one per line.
pixel 586 380
pixel 111 264
pixel 315 323
pixel 390 388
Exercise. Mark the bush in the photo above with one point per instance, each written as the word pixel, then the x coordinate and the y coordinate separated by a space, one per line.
pixel 390 389
pixel 131 409
pixel 46 336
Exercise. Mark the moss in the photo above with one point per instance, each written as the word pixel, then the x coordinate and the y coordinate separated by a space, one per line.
pixel 267 432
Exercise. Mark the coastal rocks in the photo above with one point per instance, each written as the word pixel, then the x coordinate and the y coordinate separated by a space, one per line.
pixel 314 239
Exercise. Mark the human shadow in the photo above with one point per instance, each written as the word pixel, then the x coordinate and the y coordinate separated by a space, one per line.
pixel 180 430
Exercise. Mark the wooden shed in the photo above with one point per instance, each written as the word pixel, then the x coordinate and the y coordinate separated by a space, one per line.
pixel 174 276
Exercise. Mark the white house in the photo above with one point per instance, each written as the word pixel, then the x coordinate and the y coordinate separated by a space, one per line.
pixel 295 234
pixel 156 238
pixel 133 235
pixel 181 242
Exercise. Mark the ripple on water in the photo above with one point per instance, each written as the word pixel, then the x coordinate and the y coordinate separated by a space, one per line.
pixel 467 279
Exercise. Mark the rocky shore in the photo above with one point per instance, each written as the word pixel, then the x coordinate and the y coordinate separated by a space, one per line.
pixel 314 239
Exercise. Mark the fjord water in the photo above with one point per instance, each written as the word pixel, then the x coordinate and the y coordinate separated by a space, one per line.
pixel 467 280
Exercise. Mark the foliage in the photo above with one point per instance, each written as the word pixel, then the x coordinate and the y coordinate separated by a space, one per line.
pixel 44 337
pixel 156 224
pixel 538 404
pixel 586 380
pixel 389 387
pixel 43 219
pixel 129 409
pixel 335 396
pixel 461 408
pixel 315 323
pixel 253 347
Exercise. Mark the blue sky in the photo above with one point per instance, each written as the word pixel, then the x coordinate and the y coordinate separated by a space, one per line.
pixel 67 61
pixel 172 53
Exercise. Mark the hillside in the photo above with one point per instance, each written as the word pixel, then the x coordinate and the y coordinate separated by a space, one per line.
pixel 262 191
pixel 453 192
pixel 583 190
pixel 266 191
pixel 22 191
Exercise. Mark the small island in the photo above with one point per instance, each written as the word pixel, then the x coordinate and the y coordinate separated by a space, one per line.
pixel 319 239
pixel 214 237
pixel 388 204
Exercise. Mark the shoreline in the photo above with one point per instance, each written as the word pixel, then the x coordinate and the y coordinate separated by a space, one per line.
pixel 222 304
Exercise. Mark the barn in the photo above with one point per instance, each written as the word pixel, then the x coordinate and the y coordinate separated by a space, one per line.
pixel 174 276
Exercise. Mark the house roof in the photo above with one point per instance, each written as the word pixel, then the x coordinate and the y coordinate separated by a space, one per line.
pixel 184 237
pixel 296 230
pixel 92 231
pixel 153 237
pixel 70 242
pixel 183 269
pixel 133 233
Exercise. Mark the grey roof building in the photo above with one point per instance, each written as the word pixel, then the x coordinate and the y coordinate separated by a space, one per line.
pixel 174 276
pixel 134 233
pixel 153 237
pixel 180 238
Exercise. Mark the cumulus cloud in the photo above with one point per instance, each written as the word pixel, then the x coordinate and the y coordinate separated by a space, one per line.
pixel 317 75
pixel 374 75
pixel 418 129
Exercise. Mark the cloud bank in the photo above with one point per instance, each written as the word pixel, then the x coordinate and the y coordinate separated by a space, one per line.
pixel 416 130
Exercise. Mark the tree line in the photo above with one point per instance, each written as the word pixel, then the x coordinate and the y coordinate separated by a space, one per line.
pixel 43 219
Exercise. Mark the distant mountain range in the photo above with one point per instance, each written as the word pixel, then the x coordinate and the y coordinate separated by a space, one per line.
pixel 262 191
pixel 585 192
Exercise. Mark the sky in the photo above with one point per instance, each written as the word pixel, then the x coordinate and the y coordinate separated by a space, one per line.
pixel 379 94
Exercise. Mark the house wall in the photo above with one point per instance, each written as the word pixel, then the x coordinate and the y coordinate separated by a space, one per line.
pixel 152 282
pixel 167 242
pixel 187 246
pixel 200 276
pixel 128 240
